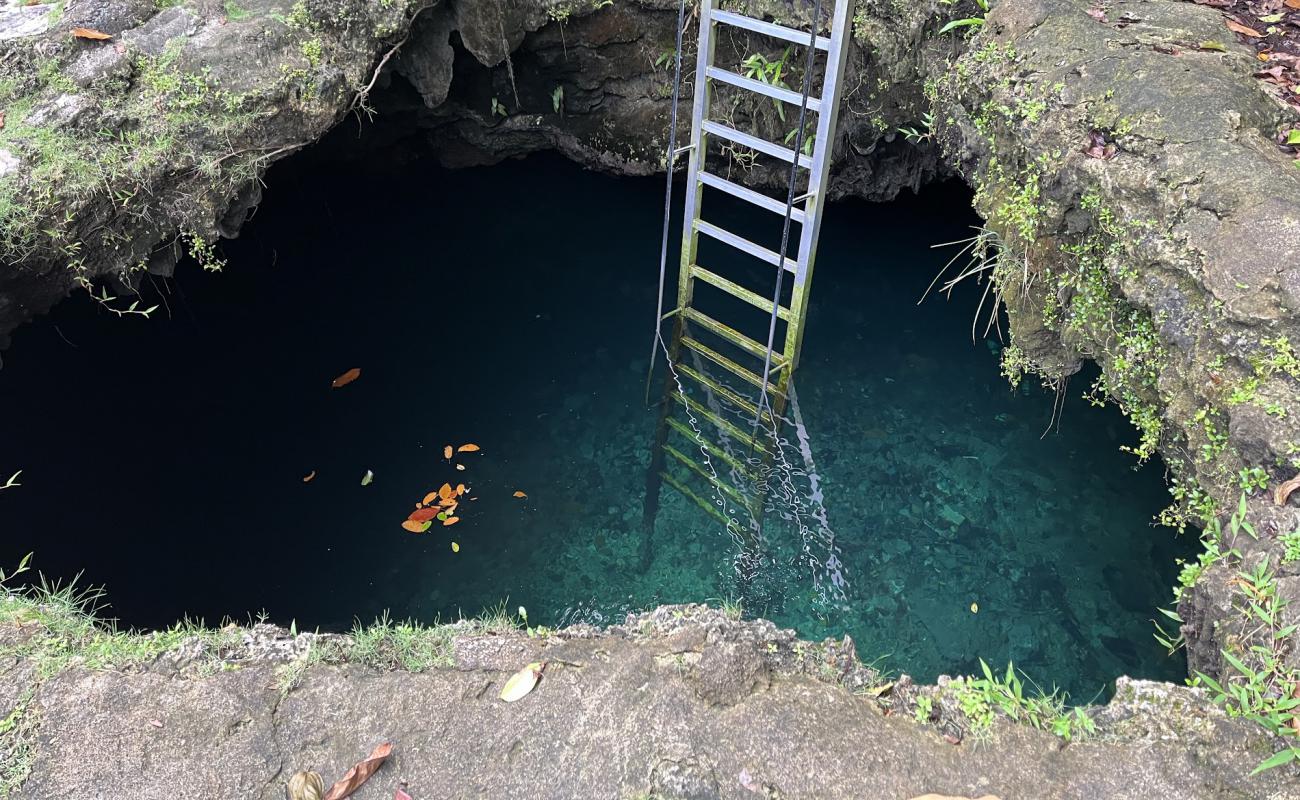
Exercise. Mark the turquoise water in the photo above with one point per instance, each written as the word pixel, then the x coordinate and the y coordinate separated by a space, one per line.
pixel 510 307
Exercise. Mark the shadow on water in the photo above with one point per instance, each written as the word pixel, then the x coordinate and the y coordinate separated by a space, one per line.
pixel 511 307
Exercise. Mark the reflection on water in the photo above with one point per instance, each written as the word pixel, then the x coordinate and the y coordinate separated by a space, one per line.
pixel 165 458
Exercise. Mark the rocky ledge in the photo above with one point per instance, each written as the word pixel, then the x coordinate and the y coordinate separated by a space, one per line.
pixel 680 702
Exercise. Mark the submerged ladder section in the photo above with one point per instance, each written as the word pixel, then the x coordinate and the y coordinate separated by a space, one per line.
pixel 727 390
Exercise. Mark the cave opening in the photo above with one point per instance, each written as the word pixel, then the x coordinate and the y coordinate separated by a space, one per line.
pixel 510 307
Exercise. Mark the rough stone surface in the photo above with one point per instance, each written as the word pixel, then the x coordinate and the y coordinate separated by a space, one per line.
pixel 616 715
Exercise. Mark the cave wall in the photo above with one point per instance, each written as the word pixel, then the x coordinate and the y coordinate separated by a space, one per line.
pixel 1171 259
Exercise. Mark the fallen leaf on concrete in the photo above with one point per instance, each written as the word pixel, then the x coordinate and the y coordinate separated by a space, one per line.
pixel 361 773
pixel 401 795
pixel 346 378
pixel 1291 3
pixel 1283 492
pixel 90 33
pixel 1096 146
pixel 1244 30
pixel 522 682
pixel 305 786
pixel 157 723
pixel 1098 14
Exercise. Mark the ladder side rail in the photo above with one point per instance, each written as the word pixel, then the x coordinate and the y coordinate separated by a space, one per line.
pixel 818 176
pixel 699 145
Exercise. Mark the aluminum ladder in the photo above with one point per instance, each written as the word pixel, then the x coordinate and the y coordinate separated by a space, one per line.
pixel 725 439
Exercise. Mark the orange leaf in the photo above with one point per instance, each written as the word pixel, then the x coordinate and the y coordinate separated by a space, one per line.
pixel 445 491
pixel 454 520
pixel 460 487
pixel 1242 29
pixel 91 33
pixel 521 494
pixel 346 378
pixel 422 514
pixel 312 474
pixel 446 451
pixel 415 526
pixel 359 774
pixel 470 448
pixel 1291 4
pixel 430 498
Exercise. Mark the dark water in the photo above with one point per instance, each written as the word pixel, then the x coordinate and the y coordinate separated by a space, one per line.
pixel 510 307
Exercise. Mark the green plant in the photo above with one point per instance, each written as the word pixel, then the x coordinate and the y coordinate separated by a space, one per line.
pixel 968 22
pixel 732 608
pixel 924 709
pixel 986 259
pixel 1258 684
pixel 770 71
pixel 809 137
pixel 982 699
pixel 557 100
pixel 925 134
pixel 665 58
pixel 233 12
pixel 497 109
pixel 1290 546
pixel 1252 480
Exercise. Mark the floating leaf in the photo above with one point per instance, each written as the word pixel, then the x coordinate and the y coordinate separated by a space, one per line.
pixel 455 548
pixel 460 489
pixel 309 477
pixel 446 452
pixel 473 448
pixel 445 491
pixel 454 520
pixel 359 774
pixel 522 682
pixel 346 378
pixel 368 478
pixel 1244 30
pixel 423 514
pixel 91 33
pixel 430 498
pixel 460 467
pixel 416 526
pixel 521 494
pixel 974 607
pixel 442 515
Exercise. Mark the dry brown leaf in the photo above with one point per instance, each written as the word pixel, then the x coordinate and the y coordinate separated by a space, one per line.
pixel 401 795
pixel 430 498
pixel 1291 3
pixel 446 492
pixel 1244 30
pixel 91 33
pixel 1284 490
pixel 423 514
pixel 470 448
pixel 310 475
pixel 2 120
pixel 359 774
pixel 346 378
pixel 305 786
pixel 460 489
pixel 446 451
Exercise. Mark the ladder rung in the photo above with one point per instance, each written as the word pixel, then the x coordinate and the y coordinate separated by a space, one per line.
pixel 735 494
pixel 712 449
pixel 745 246
pixel 729 365
pixel 736 290
pixel 766 89
pixel 745 193
pixel 696 407
pixel 725 393
pixel 704 504
pixel 738 339
pixel 769 29
pixel 754 143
